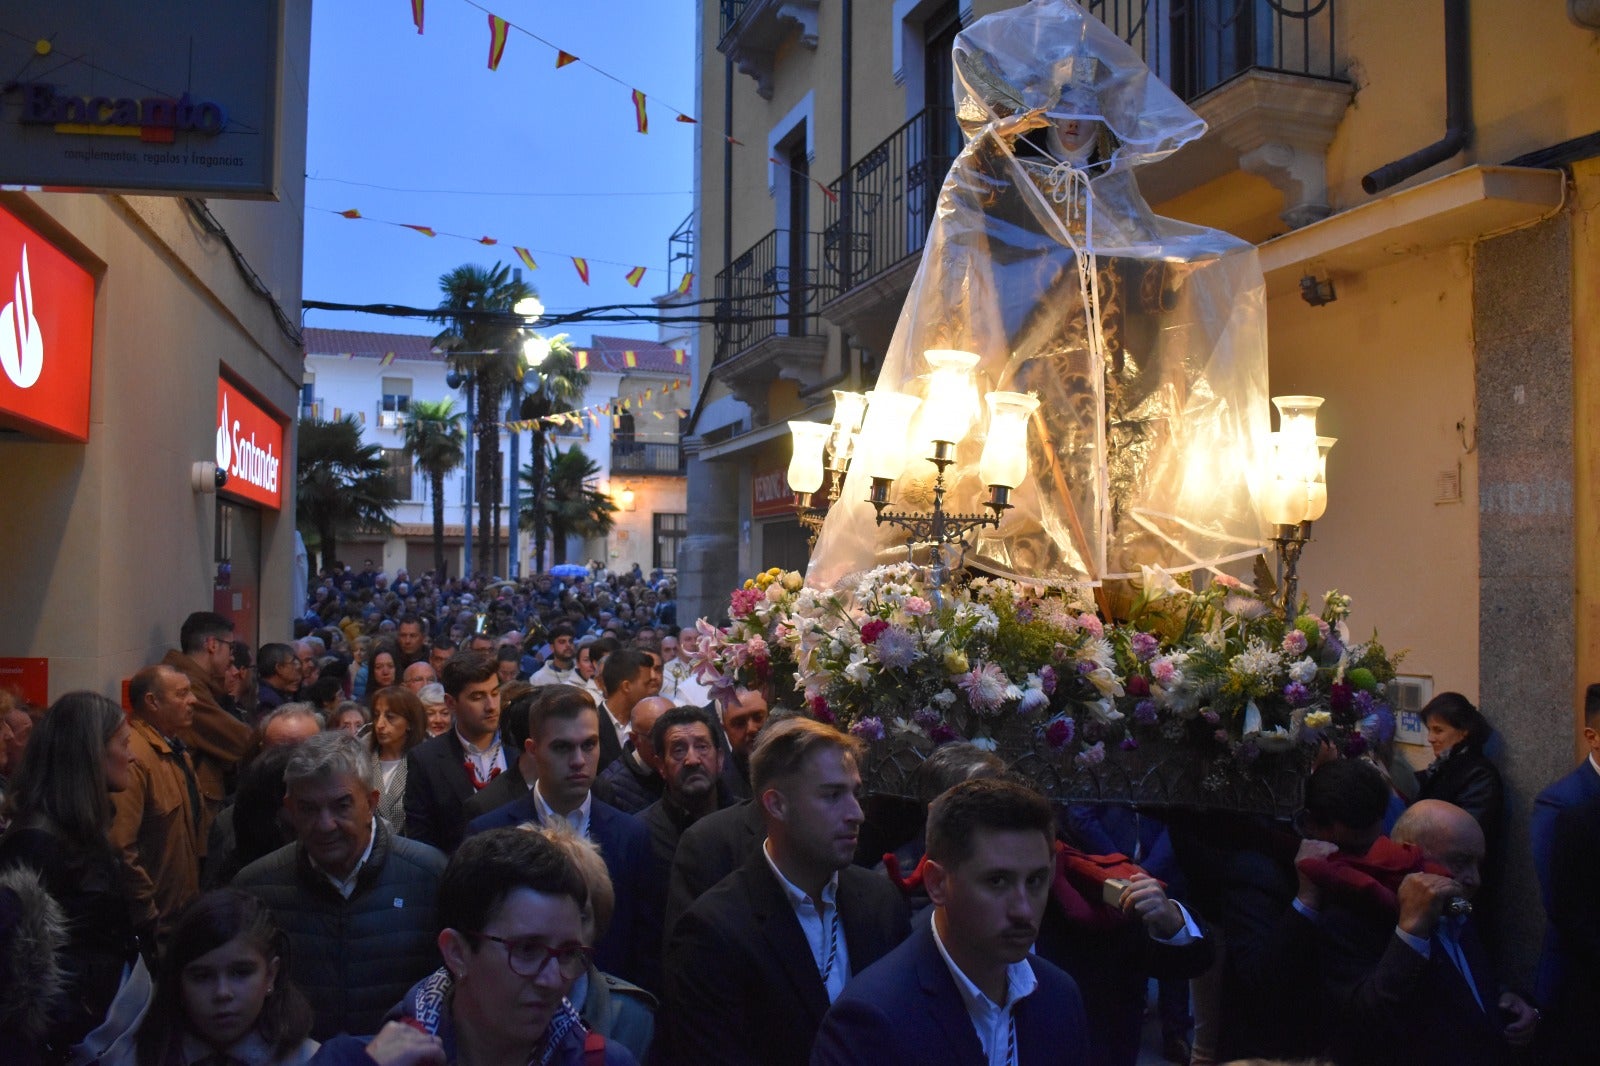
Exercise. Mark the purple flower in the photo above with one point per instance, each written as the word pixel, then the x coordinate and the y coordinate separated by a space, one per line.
pixel 1086 667
pixel 1365 703
pixel 1211 717
pixel 926 717
pixel 1129 744
pixel 1248 752
pixel 1220 736
pixel 1093 755
pixel 1296 694
pixel 1356 745
pixel 1047 680
pixel 942 734
pixel 1059 733
pixel 896 648
pixel 1144 712
pixel 1144 646
pixel 869 728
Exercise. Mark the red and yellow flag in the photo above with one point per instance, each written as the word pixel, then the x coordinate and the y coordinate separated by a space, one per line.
pixel 639 116
pixel 582 267
pixel 426 231
pixel 616 421
pixel 564 58
pixel 635 276
pixel 388 359
pixel 684 118
pixel 630 359
pixel 658 414
pixel 351 213
pixel 487 240
pixel 678 356
pixel 581 356
pixel 683 286
pixel 526 257
pixel 498 29
pixel 416 14
pixel 682 413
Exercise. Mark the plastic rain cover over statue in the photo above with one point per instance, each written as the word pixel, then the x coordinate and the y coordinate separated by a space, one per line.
pixel 1144 338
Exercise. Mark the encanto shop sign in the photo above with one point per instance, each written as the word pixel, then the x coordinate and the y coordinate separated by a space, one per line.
pixel 46 335
pixel 249 448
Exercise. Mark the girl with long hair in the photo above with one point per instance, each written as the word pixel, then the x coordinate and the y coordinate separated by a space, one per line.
pixel 223 992
pixel 59 807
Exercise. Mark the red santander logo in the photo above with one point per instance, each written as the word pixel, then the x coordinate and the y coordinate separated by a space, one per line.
pixel 249 448
pixel 46 335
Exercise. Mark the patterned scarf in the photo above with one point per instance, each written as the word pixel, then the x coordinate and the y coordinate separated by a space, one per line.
pixel 431 1012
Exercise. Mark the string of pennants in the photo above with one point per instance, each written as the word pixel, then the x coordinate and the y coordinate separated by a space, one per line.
pixel 499 34
pixel 633 277
pixel 615 409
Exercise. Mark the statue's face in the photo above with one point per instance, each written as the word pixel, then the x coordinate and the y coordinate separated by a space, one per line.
pixel 1069 136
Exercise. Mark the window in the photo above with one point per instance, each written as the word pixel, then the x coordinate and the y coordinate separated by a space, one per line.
pixel 308 397
pixel 669 531
pixel 395 403
pixel 398 460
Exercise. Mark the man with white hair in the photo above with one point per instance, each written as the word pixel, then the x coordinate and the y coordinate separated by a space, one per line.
pixel 356 901
pixel 678 682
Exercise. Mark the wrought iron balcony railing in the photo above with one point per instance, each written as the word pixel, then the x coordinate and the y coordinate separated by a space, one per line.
pixel 773 289
pixel 646 457
pixel 883 217
pixel 731 10
pixel 1196 45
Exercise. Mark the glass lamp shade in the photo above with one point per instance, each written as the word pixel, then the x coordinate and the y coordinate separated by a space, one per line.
pixel 883 446
pixel 1005 452
pixel 1317 489
pixel 848 407
pixel 1297 436
pixel 951 405
pixel 805 463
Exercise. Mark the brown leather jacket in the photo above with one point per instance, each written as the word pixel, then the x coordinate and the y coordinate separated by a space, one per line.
pixel 217 741
pixel 155 827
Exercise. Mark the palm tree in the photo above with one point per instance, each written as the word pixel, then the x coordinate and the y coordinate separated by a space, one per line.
pixel 552 385
pixel 485 343
pixel 434 439
pixel 573 506
pixel 341 485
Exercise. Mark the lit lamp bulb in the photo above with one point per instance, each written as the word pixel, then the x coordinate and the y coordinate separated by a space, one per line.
pixel 1317 489
pixel 805 463
pixel 1004 462
pixel 883 445
pixel 848 407
pixel 1298 490
pixel 951 402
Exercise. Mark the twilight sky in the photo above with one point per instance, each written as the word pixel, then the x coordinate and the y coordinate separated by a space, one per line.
pixel 544 158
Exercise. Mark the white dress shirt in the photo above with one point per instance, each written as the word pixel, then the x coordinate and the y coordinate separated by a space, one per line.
pixel 578 819
pixel 346 886
pixel 485 761
pixel 820 925
pixel 994 1023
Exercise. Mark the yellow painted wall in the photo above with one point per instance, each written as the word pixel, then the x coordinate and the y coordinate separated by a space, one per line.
pixel 1586 430
pixel 1393 356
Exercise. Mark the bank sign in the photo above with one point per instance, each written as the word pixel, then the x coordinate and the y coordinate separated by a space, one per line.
pixel 249 448
pixel 180 97
pixel 46 336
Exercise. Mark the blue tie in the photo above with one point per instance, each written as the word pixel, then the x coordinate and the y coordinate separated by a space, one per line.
pixel 1450 940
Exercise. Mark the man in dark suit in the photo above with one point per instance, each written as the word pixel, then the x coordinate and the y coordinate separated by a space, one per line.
pixel 1576 790
pixel 633 782
pixel 520 770
pixel 1419 989
pixel 444 772
pixel 691 764
pixel 709 850
pixel 964 989
pixel 626 678
pixel 564 732
pixel 754 963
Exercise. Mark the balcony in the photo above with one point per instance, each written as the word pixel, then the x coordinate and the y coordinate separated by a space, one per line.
pixel 647 457
pixel 752 30
pixel 768 300
pixel 875 228
pixel 1265 76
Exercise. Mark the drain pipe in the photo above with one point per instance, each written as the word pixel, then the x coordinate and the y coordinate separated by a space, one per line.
pixel 1458 86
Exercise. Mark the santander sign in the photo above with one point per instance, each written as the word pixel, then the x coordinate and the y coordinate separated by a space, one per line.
pixel 249 448
pixel 46 335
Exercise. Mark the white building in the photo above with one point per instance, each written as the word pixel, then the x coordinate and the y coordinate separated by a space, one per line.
pixel 376 376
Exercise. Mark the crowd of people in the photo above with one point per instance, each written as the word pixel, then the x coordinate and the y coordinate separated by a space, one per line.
pixel 505 823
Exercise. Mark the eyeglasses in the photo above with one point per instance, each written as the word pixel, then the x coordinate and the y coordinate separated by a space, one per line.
pixel 527 957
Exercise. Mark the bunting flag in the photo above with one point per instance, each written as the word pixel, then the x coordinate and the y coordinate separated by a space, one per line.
pixel 658 415
pixel 639 116
pixel 416 13
pixel 582 267
pixel 731 139
pixel 829 193
pixel 426 231
pixel 387 360
pixel 616 421
pixel 526 257
pixel 498 29
pixel 630 359
pixel 564 58
pixel 635 276
pixel 351 213
pixel 682 413
pixel 581 356
pixel 487 240
pixel 678 356
pixel 684 118
pixel 649 394
pixel 683 286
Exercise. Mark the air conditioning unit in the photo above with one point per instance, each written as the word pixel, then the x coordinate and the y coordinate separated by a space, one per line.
pixel 1408 694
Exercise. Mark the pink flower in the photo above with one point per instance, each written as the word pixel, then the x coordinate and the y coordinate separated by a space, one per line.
pixel 1294 643
pixel 1228 581
pixel 1092 624
pixel 744 601
pixel 916 606
pixel 1163 671
pixel 985 687
pixel 872 630
pixel 1059 733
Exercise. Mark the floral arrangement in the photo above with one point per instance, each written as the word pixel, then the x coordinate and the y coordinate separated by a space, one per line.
pixel 1217 670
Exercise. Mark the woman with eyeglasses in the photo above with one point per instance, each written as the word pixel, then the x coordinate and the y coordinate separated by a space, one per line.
pixel 511 907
